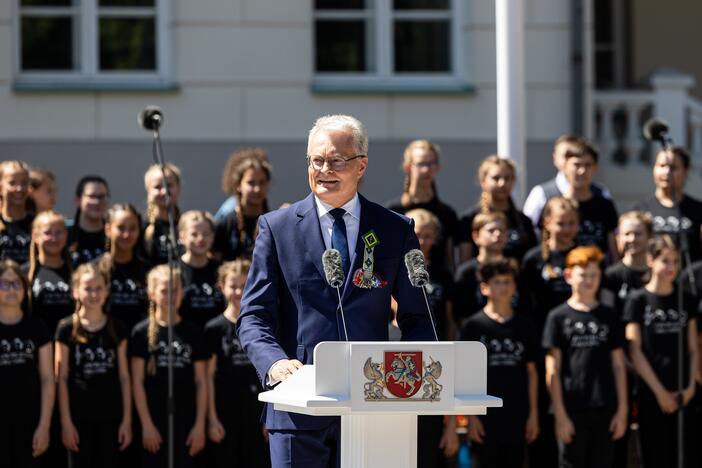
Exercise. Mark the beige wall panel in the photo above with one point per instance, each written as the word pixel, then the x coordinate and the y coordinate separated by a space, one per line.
pixel 192 114
pixel 547 12
pixel 547 113
pixel 7 44
pixel 547 56
pixel 288 113
pixel 298 11
pixel 480 56
pixel 479 12
pixel 207 10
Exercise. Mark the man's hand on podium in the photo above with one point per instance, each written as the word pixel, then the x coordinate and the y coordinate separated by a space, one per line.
pixel 283 369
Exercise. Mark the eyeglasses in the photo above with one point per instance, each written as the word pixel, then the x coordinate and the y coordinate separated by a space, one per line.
pixel 337 163
pixel 425 165
pixel 8 285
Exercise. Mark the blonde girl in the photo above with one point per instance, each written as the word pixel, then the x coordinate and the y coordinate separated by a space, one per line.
pixel 233 407
pixel 202 299
pixel 15 218
pixel 92 371
pixel 26 373
pixel 148 349
pixel 156 231
pixel 496 176
pixel 42 189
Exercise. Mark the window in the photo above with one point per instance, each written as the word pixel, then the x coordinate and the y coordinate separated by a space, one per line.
pixel 386 43
pixel 91 42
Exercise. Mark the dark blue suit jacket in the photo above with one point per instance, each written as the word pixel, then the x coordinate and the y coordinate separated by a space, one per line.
pixel 288 307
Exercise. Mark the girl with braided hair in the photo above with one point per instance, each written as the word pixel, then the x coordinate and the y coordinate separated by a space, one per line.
pixel 92 371
pixel 236 233
pixel 148 349
pixel 421 165
pixel 15 217
pixel 496 176
pixel 155 238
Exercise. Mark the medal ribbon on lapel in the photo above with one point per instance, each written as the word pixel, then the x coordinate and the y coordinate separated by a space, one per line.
pixel 364 276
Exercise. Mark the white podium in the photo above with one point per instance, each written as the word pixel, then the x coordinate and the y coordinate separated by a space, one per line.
pixel 379 389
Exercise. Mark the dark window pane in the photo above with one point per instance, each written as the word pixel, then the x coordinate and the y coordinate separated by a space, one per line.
pixel 604 70
pixel 339 4
pixel 340 46
pixel 421 4
pixel 422 46
pixel 603 21
pixel 127 44
pixel 47 43
pixel 51 3
pixel 127 3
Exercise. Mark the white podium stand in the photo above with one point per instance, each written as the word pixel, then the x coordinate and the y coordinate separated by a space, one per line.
pixel 379 389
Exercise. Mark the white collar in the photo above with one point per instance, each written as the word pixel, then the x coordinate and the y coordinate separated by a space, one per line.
pixel 352 207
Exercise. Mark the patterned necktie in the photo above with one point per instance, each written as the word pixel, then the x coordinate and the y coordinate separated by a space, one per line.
pixel 339 240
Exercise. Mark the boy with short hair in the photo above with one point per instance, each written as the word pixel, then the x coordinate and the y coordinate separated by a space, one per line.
pixel 585 368
pixel 500 437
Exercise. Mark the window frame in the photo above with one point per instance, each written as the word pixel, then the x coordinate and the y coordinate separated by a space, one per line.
pixel 383 78
pixel 87 75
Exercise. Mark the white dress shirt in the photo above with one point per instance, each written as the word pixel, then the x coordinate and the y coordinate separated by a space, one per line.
pixel 352 219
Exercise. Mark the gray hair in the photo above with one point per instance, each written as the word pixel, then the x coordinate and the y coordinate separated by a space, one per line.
pixel 342 123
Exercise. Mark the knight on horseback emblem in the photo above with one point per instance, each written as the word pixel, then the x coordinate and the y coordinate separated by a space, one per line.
pixel 403 374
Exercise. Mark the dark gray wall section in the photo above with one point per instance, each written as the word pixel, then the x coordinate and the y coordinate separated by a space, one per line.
pixel 123 165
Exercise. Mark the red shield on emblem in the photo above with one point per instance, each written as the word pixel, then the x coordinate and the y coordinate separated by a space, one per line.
pixel 403 372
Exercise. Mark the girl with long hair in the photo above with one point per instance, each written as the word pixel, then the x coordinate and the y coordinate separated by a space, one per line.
pixel 156 232
pixel 86 238
pixel 15 216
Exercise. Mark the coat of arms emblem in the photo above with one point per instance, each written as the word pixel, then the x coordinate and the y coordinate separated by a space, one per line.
pixel 403 374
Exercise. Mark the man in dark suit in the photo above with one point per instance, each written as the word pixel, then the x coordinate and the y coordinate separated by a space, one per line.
pixel 288 307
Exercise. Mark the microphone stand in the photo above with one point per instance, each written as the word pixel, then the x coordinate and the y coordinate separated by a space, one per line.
pixel 157 151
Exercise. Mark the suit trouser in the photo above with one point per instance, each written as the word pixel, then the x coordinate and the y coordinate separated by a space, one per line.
pixel 308 448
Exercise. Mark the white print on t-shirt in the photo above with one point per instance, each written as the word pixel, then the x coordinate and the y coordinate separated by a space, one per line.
pixel 16 351
pixel 86 254
pixel 590 233
pixel 670 223
pixel 202 296
pixel 127 292
pixel 505 352
pixel 585 334
pixel 182 353
pixel 52 293
pixel 94 361
pixel 17 241
pixel 664 321
pixel 233 350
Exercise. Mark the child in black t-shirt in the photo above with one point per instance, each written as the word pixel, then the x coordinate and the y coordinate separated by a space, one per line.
pixel 654 322
pixel 156 231
pixel 585 367
pixel 233 408
pixel 94 393
pixel 496 176
pixel 500 437
pixel 148 349
pixel 15 218
pixel 202 299
pixel 49 270
pixel 127 301
pixel 26 373
pixel 634 231
pixel 86 238
pixel 42 189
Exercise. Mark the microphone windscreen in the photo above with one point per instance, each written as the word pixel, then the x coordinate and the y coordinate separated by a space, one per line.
pixel 151 118
pixel 654 129
pixel 331 261
pixel 416 268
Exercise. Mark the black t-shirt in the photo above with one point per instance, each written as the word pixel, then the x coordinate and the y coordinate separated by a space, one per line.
pixel 447 218
pixel 85 246
pixel 128 301
pixel 156 249
pixel 188 347
pixel 586 340
pixel 94 389
pixel 510 346
pixel 469 299
pixel 545 285
pixel 621 281
pixel 666 221
pixel 520 239
pixel 202 299
pixel 660 323
pixel 51 295
pixel 228 239
pixel 20 391
pixel 440 292
pixel 598 218
pixel 15 239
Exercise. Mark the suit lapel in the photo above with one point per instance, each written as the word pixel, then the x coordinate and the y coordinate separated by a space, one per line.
pixel 311 232
pixel 357 255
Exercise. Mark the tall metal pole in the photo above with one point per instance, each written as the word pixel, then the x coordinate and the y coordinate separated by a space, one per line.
pixel 511 143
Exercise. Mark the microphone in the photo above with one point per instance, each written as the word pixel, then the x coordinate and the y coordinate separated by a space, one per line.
pixel 334 273
pixel 419 277
pixel 151 118
pixel 656 129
